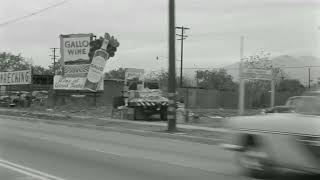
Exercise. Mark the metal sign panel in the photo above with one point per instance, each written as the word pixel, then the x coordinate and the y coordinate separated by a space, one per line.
pixel 72 83
pixel 75 47
pixel 132 73
pixel 15 77
pixel 262 74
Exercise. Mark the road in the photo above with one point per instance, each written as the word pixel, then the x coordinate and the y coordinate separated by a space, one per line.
pixel 34 150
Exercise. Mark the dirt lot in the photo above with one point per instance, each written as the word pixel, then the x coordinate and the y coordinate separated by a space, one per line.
pixel 101 117
pixel 198 117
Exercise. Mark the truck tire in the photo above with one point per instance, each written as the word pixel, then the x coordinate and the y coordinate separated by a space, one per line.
pixel 164 113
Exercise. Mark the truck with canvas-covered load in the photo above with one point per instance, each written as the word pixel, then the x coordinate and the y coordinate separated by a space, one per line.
pixel 145 98
pixel 147 102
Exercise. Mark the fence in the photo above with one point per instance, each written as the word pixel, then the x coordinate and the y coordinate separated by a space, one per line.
pixel 202 98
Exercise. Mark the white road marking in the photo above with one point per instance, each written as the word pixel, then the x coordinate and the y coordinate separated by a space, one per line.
pixel 28 171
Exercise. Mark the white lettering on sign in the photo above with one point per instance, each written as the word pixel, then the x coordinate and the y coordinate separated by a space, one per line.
pixel 75 48
pixel 15 77
pixel 71 83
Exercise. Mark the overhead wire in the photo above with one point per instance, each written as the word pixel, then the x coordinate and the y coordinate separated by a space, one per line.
pixel 32 14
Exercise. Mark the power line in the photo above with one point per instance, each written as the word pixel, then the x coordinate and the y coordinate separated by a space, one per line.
pixel 281 67
pixel 32 14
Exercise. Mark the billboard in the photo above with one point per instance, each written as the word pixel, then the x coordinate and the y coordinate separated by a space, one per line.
pixel 15 77
pixel 262 74
pixel 75 59
pixel 72 83
pixel 75 47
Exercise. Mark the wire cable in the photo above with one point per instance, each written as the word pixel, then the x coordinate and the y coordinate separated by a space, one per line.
pixel 32 14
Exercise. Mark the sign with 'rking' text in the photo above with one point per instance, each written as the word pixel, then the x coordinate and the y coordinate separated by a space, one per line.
pixel 75 47
pixel 15 77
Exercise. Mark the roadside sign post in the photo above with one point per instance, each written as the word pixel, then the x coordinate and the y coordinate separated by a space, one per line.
pixel 241 81
pixel 254 74
pixel 241 96
pixel 273 93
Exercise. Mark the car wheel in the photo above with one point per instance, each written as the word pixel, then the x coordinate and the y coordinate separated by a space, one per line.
pixel 255 162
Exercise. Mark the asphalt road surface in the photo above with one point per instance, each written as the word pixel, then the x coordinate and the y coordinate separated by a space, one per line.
pixel 33 150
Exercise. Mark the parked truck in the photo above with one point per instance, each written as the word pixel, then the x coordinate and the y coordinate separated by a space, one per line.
pixel 146 99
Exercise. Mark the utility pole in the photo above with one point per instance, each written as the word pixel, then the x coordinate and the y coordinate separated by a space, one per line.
pixel 172 123
pixel 182 37
pixel 54 57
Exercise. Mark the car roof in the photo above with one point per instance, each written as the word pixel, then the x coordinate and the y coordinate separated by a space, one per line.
pixel 299 97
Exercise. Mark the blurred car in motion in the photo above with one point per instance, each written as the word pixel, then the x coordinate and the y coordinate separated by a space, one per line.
pixel 4 101
pixel 289 106
pixel 284 137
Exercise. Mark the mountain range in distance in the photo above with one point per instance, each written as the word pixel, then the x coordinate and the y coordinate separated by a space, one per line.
pixel 294 67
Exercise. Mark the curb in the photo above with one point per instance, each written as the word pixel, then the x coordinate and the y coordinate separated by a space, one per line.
pixel 175 136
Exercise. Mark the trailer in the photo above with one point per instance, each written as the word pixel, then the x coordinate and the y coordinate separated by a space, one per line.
pixel 147 102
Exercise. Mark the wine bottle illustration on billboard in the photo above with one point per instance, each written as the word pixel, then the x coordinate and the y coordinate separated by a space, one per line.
pixel 97 66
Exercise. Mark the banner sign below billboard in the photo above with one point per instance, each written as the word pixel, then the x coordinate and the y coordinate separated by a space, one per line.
pixel 15 77
pixel 72 83
pixel 262 74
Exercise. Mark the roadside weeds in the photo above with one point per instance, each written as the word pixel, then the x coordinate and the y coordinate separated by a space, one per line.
pixel 139 128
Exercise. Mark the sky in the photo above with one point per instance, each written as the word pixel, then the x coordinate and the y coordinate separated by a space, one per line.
pixel 275 26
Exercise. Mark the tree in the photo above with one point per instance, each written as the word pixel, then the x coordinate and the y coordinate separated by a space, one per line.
pixel 115 74
pixel 216 79
pixel 37 69
pixel 162 78
pixel 10 62
pixel 291 85
pixel 57 69
pixel 111 48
